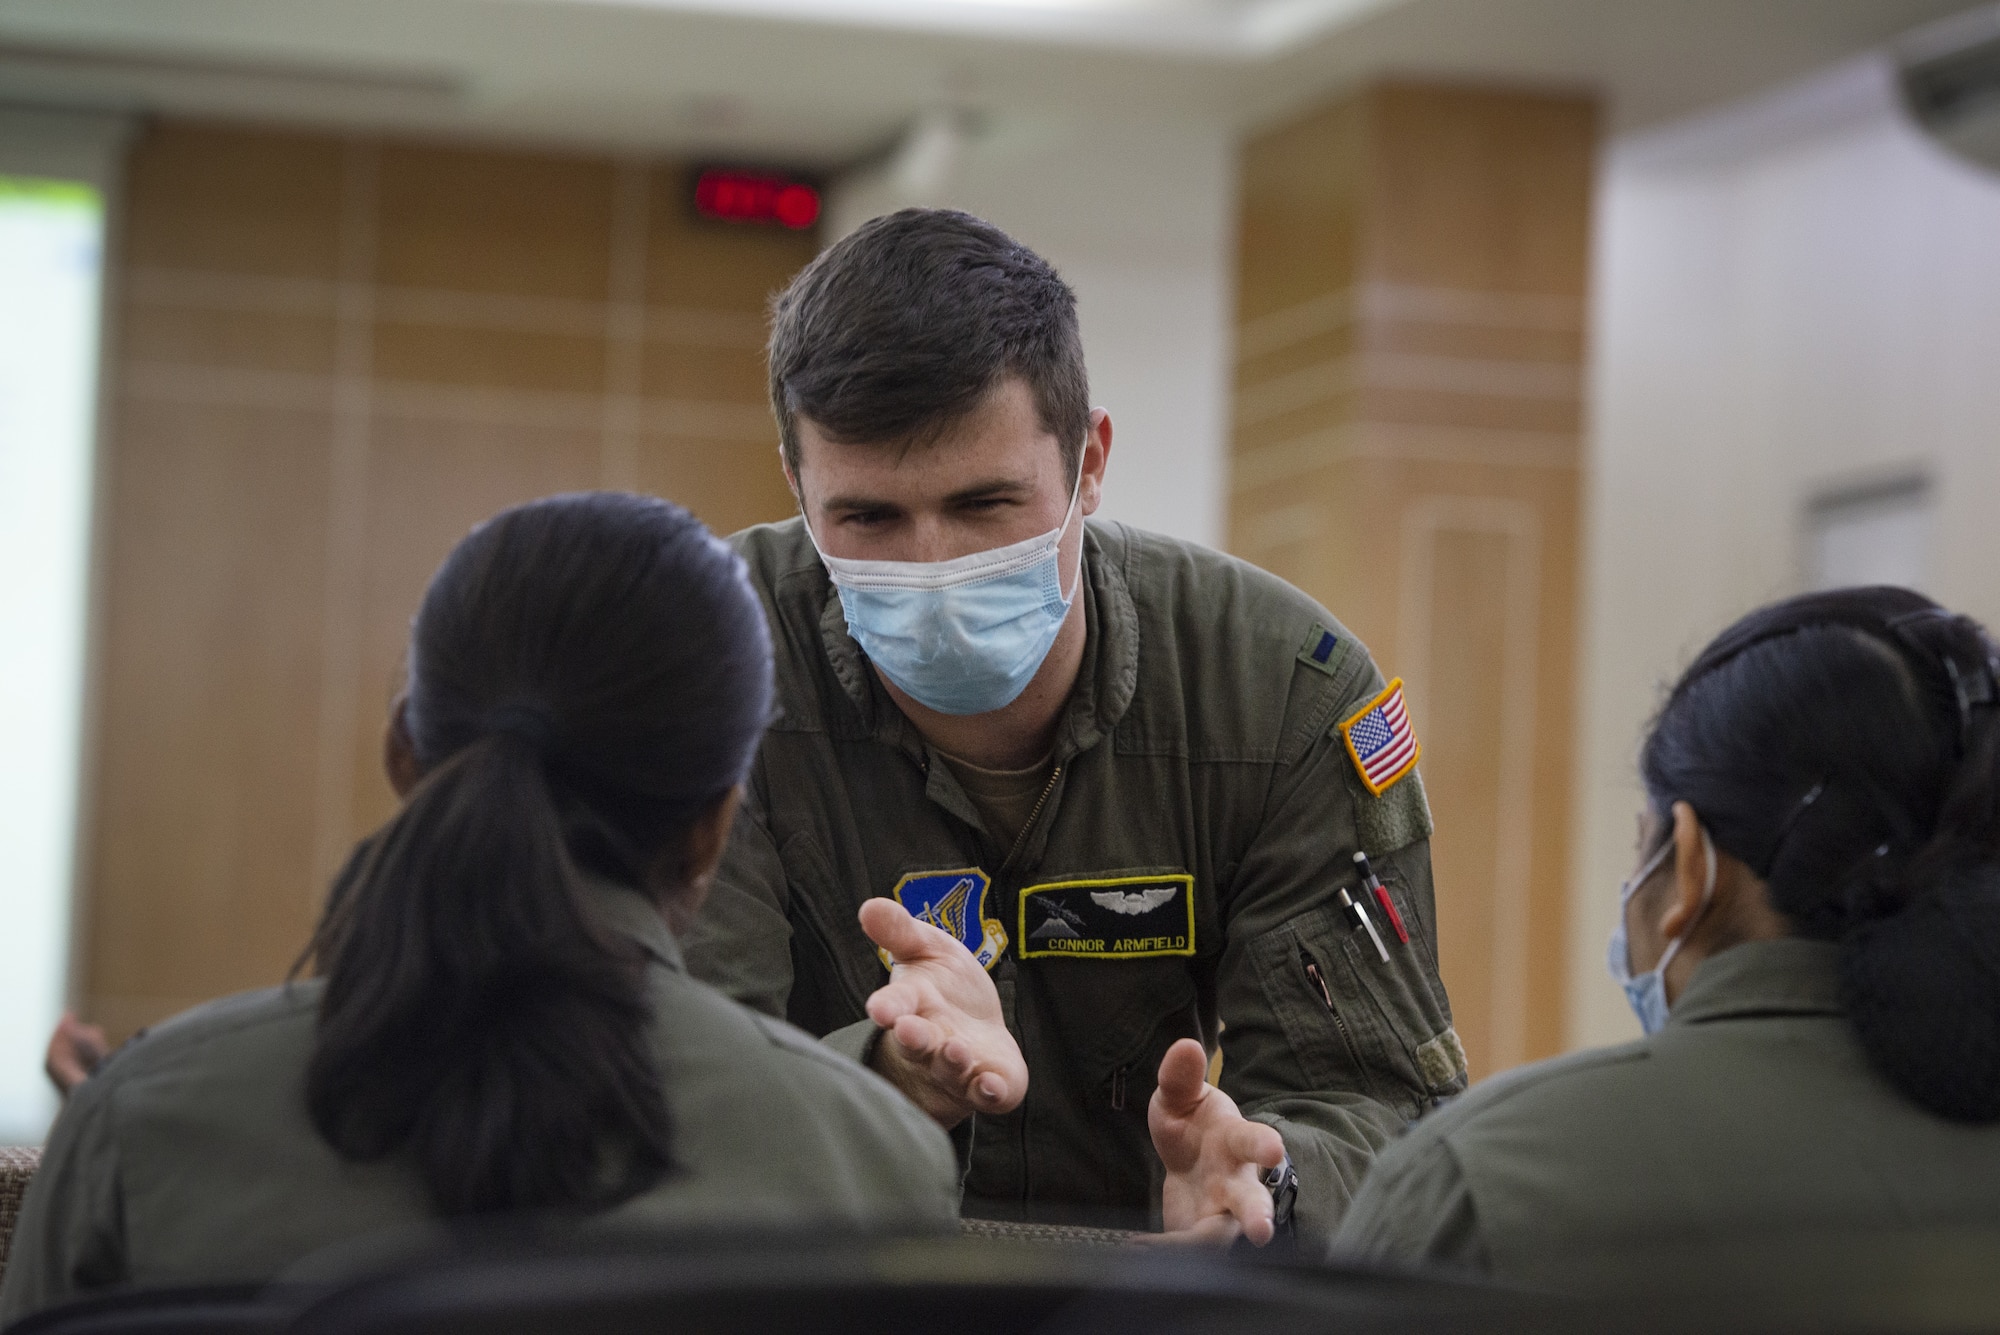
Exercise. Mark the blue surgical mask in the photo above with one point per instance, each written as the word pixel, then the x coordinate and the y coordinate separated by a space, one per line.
pixel 964 636
pixel 1647 993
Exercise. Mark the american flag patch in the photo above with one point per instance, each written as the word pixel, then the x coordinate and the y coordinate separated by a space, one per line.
pixel 1381 740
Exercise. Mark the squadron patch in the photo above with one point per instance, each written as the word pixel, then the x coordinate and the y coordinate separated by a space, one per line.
pixel 954 902
pixel 1381 741
pixel 1119 917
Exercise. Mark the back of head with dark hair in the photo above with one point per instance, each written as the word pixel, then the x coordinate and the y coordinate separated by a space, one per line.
pixel 1845 746
pixel 899 330
pixel 588 675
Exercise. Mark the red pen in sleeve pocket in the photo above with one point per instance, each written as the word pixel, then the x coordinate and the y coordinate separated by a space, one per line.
pixel 1373 885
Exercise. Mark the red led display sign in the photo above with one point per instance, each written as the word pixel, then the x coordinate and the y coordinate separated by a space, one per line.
pixel 755 197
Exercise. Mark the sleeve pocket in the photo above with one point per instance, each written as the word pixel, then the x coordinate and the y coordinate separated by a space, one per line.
pixel 1354 1022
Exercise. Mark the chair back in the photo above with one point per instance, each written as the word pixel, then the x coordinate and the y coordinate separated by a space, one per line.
pixel 233 1309
pixel 17 1168
pixel 922 1286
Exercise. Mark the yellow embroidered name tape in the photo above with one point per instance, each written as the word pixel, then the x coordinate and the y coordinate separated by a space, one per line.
pixel 1109 918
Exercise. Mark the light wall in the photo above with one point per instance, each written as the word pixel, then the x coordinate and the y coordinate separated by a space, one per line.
pixel 1792 294
pixel 56 173
pixel 1137 215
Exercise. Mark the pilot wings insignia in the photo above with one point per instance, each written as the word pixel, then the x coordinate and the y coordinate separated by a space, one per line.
pixel 1134 902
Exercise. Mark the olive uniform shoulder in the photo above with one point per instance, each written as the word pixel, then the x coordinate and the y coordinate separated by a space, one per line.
pixel 1557 1085
pixel 773 550
pixel 811 1094
pixel 1271 674
pixel 795 1061
pixel 228 1019
pixel 1220 636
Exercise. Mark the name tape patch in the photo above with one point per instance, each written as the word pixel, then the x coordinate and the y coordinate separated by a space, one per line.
pixel 954 902
pixel 1381 741
pixel 1113 918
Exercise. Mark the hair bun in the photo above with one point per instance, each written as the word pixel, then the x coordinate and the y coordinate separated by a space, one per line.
pixel 1922 989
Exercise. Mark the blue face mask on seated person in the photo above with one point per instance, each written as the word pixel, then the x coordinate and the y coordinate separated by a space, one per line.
pixel 964 636
pixel 1647 993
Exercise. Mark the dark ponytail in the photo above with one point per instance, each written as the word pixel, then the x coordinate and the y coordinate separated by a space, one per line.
pixel 1845 746
pixel 588 675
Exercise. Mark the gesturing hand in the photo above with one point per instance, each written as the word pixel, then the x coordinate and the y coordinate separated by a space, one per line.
pixel 1214 1156
pixel 947 1047
pixel 75 1049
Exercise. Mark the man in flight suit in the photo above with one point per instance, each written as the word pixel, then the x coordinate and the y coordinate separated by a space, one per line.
pixel 1095 793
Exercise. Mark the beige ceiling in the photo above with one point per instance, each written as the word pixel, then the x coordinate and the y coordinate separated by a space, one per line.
pixel 822 82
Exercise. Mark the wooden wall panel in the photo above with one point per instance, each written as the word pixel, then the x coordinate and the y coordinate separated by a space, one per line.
pixel 1410 345
pixel 1480 191
pixel 203 829
pixel 501 358
pixel 474 221
pixel 430 483
pixel 1459 575
pixel 235 202
pixel 334 357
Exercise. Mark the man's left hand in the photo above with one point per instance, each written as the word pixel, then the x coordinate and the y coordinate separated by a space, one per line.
pixel 1215 1157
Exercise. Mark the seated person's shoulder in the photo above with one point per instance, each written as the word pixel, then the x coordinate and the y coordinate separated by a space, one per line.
pixel 786 1059
pixel 1545 1099
pixel 832 1134
pixel 280 1017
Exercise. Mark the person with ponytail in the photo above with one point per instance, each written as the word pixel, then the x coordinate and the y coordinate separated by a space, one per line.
pixel 1811 942
pixel 501 1023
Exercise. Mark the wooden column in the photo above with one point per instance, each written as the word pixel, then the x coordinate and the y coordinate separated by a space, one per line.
pixel 1410 342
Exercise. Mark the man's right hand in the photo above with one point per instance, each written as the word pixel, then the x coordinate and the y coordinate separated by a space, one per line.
pixel 945 1043
pixel 75 1049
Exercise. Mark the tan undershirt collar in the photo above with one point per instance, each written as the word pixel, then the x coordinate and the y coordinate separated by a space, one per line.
pixel 1005 797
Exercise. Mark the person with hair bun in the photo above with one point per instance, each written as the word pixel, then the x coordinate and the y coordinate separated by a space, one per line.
pixel 1811 941
pixel 502 1022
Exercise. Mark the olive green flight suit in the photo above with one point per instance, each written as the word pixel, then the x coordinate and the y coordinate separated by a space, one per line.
pixel 1751 1118
pixel 189 1157
pixel 1180 876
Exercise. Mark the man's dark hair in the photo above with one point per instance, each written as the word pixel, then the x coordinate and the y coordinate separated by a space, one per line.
pixel 898 330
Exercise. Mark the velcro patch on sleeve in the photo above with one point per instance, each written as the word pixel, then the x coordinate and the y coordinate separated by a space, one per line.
pixel 1113 918
pixel 1441 1062
pixel 1381 740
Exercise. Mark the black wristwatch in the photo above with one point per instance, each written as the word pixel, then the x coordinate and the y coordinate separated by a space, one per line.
pixel 1283 1184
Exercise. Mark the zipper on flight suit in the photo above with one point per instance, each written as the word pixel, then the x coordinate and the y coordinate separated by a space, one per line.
pixel 1318 981
pixel 1020 840
pixel 1034 815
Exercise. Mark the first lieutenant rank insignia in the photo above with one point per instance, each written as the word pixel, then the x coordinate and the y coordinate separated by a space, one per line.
pixel 954 902
pixel 1381 741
